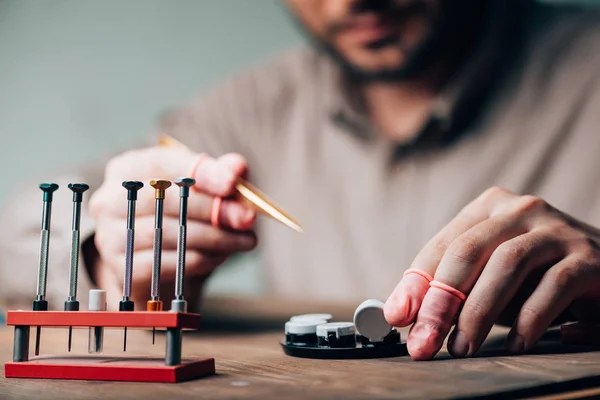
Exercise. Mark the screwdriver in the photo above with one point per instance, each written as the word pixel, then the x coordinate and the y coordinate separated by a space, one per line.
pixel 179 304
pixel 127 304
pixel 72 304
pixel 154 304
pixel 40 303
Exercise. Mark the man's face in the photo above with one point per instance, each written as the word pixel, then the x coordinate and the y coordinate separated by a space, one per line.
pixel 374 39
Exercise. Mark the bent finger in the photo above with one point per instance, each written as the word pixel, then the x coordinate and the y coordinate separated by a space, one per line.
pixel 218 177
pixel 508 267
pixel 560 285
pixel 458 271
pixel 405 301
pixel 200 236
pixel 197 263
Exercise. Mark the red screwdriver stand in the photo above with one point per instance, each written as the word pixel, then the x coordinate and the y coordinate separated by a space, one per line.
pixel 171 369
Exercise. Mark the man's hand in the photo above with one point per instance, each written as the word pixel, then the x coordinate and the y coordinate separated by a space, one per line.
pixel 490 252
pixel 207 246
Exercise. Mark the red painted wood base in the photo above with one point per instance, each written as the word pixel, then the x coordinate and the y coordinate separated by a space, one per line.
pixel 110 369
pixel 115 319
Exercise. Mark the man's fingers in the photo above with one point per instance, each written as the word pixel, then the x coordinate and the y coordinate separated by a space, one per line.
pixel 404 303
pixel 437 314
pixel 467 255
pixel 458 271
pixel 560 285
pixel 430 256
pixel 232 214
pixel 110 199
pixel 200 236
pixel 218 177
pixel 236 215
pixel 235 162
pixel 197 264
pixel 401 307
pixel 502 276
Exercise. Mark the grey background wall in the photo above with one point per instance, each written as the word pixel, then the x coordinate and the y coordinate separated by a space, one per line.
pixel 81 77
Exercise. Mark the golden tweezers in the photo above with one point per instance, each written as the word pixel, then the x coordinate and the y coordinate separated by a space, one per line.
pixel 251 193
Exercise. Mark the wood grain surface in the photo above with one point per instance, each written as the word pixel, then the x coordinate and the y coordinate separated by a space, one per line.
pixel 243 337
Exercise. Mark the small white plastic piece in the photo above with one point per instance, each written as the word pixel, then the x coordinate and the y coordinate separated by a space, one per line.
pixel 370 320
pixel 339 328
pixel 303 327
pixel 311 317
pixel 97 300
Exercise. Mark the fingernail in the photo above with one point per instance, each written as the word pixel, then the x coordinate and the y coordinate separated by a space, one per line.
pixel 458 345
pixel 516 344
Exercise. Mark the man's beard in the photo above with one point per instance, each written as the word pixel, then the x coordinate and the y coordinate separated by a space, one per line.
pixel 415 62
pixel 441 30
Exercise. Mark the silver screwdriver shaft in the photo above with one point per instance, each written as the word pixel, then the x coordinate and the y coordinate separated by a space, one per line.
pixel 45 247
pixel 72 304
pixel 40 303
pixel 155 304
pixel 157 251
pixel 127 303
pixel 179 304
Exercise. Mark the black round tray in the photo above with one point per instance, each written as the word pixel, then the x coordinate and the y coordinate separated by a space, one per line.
pixel 354 353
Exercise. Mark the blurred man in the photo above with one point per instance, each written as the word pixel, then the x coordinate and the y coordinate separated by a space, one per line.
pixel 384 139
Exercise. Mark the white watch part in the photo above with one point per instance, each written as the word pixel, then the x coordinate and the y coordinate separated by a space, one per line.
pixel 311 317
pixel 370 321
pixel 339 328
pixel 303 327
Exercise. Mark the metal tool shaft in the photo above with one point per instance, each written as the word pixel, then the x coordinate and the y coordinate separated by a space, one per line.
pixel 75 239
pixel 156 261
pixel 45 247
pixel 40 303
pixel 154 304
pixel 181 246
pixel 127 304
pixel 178 304
pixel 184 193
pixel 78 189
pixel 129 250
pixel 72 304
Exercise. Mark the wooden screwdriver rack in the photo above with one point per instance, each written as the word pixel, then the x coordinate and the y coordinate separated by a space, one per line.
pixel 171 369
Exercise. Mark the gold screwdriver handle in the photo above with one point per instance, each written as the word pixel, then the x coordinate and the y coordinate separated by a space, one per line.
pixel 160 186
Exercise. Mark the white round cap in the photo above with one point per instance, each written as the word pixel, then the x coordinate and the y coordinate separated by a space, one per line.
pixel 339 328
pixel 97 300
pixel 311 317
pixel 370 321
pixel 303 327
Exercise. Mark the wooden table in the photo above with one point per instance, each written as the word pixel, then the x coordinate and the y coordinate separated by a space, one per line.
pixel 243 337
